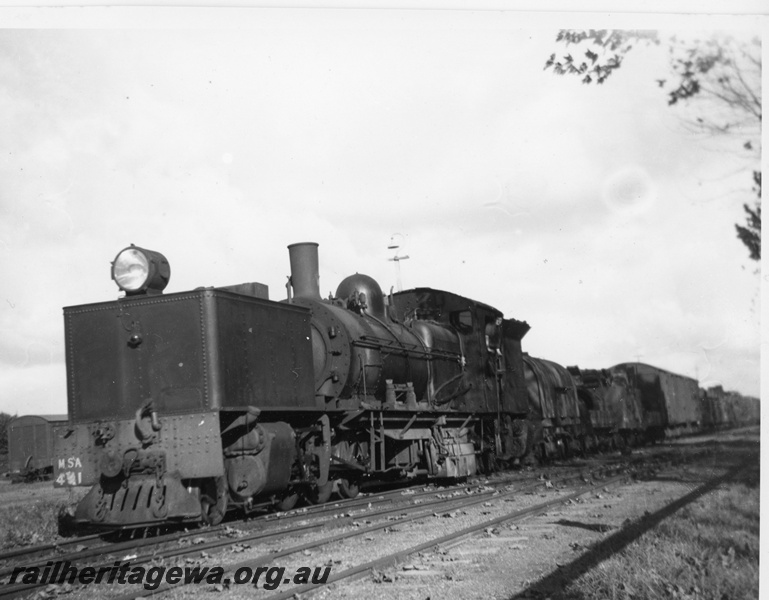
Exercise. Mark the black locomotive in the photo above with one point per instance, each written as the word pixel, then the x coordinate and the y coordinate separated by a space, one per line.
pixel 184 405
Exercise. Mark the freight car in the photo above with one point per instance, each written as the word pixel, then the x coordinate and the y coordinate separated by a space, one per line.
pixel 633 403
pixel 717 411
pixel 723 409
pixel 747 409
pixel 613 414
pixel 30 446
pixel 184 405
pixel 555 414
pixel 670 402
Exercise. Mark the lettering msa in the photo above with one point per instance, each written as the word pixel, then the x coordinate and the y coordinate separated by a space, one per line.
pixel 73 462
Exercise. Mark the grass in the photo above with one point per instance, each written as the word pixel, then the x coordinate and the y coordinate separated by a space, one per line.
pixel 29 512
pixel 29 524
pixel 707 550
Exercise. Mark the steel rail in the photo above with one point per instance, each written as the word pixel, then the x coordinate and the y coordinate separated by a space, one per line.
pixel 26 550
pixel 116 547
pixel 15 589
pixel 396 557
pixel 267 519
pixel 313 511
pixel 339 507
pixel 419 513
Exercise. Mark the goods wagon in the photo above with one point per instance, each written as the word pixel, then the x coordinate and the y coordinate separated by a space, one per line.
pixel 612 408
pixel 670 401
pixel 30 446
pixel 553 402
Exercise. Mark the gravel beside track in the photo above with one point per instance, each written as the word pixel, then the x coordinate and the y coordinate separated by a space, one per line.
pixel 402 543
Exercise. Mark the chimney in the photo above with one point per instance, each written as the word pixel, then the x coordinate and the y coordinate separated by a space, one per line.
pixel 304 270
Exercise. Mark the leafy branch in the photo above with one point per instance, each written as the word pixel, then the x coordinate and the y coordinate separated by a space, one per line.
pixel 718 78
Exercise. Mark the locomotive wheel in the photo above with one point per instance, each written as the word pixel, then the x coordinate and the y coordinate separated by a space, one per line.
pixel 318 494
pixel 213 500
pixel 348 488
pixel 287 501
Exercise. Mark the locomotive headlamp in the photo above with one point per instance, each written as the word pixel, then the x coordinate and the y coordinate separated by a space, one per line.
pixel 140 271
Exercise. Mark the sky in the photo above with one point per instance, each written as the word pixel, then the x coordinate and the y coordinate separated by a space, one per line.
pixel 220 137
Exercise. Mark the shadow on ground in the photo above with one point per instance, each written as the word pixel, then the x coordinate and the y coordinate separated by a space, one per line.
pixel 552 585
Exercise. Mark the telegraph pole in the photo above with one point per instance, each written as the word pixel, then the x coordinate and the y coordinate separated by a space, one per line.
pixel 397 259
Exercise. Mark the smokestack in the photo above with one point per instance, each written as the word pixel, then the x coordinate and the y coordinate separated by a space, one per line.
pixel 304 270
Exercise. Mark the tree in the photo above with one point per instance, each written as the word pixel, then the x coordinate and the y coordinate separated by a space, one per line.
pixel 718 77
pixel 751 234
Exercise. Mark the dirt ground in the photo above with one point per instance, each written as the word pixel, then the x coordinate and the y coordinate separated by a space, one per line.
pixel 14 494
pixel 538 557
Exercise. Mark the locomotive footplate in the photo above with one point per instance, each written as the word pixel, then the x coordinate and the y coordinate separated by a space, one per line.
pixel 140 500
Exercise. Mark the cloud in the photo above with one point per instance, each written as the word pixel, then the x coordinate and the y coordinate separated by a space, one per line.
pixel 584 210
pixel 38 389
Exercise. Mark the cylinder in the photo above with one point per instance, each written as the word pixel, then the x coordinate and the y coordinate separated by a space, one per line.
pixel 305 278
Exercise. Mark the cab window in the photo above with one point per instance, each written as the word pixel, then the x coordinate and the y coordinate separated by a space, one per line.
pixel 462 320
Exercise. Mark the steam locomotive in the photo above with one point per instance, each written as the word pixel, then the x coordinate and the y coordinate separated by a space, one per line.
pixel 185 405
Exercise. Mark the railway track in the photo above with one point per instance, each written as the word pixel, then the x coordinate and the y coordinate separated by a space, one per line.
pixel 399 556
pixel 361 513
pixel 364 516
pixel 375 517
pixel 183 543
pixel 108 538
pixel 382 520
pixel 116 541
